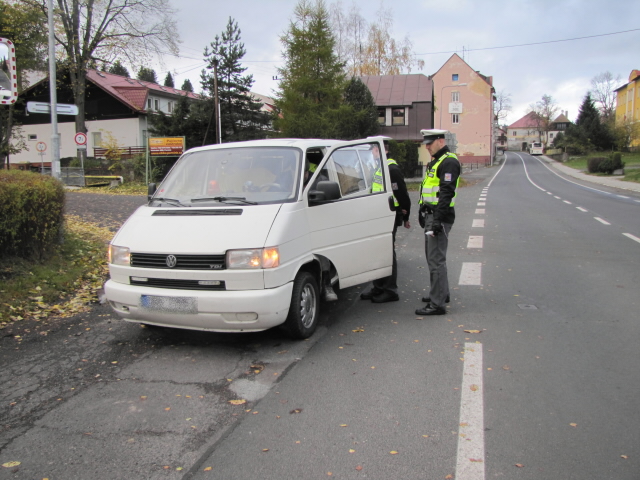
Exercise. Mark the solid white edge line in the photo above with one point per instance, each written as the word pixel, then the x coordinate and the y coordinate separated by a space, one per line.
pixel 470 457
pixel 632 237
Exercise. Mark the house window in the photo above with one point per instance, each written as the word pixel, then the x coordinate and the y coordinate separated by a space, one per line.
pixel 515 134
pixel 455 96
pixel 96 137
pixel 455 118
pixel 382 117
pixel 32 137
pixel 551 135
pixel 454 77
pixel 156 105
pixel 170 107
pixel 397 116
pixel 148 104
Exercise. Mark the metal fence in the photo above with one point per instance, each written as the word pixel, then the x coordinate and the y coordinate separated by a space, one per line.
pixel 72 176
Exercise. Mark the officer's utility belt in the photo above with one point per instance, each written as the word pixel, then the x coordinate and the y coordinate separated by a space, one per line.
pixel 427 208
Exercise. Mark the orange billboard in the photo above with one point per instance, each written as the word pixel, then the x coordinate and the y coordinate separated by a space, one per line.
pixel 166 146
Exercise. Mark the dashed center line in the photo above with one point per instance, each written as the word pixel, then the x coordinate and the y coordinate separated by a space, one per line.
pixel 582 209
pixel 478 223
pixel 482 204
pixel 470 274
pixel 475 241
pixel 567 202
pixel 632 237
pixel 470 457
pixel 604 222
pixel 480 211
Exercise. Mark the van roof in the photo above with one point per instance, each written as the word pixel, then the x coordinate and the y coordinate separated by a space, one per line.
pixel 302 143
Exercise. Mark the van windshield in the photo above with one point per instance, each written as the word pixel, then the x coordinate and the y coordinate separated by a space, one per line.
pixel 247 175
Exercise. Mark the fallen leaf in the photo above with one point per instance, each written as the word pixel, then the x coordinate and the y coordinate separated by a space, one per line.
pixel 573 424
pixel 167 409
pixel 519 465
pixel 474 388
pixel 295 410
pixel 476 460
pixel 624 456
pixel 393 452
pixel 358 330
pixel 473 331
pixel 10 464
pixel 265 449
pixel 239 401
pixel 506 367
pixel 351 450
pixel 448 477
pixel 343 425
pixel 208 469
pixel 359 467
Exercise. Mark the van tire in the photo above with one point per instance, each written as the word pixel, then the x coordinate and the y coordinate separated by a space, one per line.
pixel 304 310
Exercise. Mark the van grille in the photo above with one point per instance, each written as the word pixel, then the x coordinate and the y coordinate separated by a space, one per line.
pixel 175 283
pixel 182 262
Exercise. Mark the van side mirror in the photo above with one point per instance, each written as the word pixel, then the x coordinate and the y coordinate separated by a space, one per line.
pixel 151 189
pixel 325 192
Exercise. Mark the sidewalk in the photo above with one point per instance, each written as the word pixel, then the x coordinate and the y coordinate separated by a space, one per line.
pixel 614 182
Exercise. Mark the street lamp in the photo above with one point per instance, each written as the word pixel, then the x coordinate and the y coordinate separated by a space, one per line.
pixel 441 96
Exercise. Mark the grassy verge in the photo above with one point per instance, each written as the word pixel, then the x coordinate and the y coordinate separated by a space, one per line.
pixel 631 163
pixel 63 285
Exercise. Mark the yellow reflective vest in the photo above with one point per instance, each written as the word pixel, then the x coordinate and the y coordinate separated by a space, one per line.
pixel 431 183
pixel 377 185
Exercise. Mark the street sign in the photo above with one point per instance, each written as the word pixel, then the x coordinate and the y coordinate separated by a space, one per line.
pixel 41 146
pixel 81 140
pixel 44 107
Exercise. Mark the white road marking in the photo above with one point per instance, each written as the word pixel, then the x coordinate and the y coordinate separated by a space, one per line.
pixel 478 223
pixel 482 204
pixel 555 196
pixel 475 241
pixel 470 458
pixel 470 274
pixel 604 222
pixel 622 196
pixel 632 237
pixel 480 211
pixel 582 209
pixel 549 193
pixel 567 202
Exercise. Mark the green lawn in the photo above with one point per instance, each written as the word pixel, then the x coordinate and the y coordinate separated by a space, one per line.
pixel 631 164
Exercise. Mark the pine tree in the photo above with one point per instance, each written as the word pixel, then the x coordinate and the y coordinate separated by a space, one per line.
pixel 168 80
pixel 118 69
pixel 311 90
pixel 147 75
pixel 364 118
pixel 186 86
pixel 241 116
pixel 590 125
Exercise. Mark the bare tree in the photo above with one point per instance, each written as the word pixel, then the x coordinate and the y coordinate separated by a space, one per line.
pixel 502 106
pixel 544 112
pixel 92 31
pixel 603 92
pixel 370 49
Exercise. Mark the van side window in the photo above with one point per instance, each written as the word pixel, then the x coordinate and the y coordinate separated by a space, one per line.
pixel 353 168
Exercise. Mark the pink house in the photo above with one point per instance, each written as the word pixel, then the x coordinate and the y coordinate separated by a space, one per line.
pixel 464 106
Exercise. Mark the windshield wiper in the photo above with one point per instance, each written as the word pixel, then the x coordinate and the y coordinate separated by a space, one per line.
pixel 171 201
pixel 225 200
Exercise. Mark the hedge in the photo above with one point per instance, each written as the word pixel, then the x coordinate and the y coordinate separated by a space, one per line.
pixel 31 217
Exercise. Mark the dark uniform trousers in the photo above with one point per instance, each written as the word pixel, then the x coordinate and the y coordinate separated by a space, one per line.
pixel 390 283
pixel 435 249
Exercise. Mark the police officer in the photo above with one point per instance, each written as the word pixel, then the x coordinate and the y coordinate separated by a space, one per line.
pixel 386 289
pixel 436 216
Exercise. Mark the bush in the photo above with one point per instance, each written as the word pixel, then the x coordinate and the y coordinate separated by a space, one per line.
pixel 594 163
pixel 32 214
pixel 605 165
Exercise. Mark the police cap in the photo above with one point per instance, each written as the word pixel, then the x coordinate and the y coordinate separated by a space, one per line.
pixel 429 136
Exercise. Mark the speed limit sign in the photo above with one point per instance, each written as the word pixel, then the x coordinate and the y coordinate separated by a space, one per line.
pixel 41 146
pixel 81 139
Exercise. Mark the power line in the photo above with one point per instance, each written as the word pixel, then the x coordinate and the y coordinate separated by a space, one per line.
pixel 534 43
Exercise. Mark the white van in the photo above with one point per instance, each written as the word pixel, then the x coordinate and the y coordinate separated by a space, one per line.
pixel 240 237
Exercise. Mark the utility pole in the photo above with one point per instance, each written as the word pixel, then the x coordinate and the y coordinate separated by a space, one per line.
pixel 55 137
pixel 217 100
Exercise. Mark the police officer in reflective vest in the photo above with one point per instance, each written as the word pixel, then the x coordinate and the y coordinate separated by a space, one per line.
pixel 436 216
pixel 386 289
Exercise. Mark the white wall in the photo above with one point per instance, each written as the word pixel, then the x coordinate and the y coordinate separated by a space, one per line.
pixel 128 132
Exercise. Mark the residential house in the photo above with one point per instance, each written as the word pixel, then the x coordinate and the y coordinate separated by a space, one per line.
pixel 628 104
pixel 559 125
pixel 464 101
pixel 115 106
pixel 405 106
pixel 522 132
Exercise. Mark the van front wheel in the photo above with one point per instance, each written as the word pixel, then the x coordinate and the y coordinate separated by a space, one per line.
pixel 305 307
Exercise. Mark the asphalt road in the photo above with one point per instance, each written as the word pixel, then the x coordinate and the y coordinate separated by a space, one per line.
pixel 543 385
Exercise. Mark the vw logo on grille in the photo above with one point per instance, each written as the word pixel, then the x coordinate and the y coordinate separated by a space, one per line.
pixel 171 261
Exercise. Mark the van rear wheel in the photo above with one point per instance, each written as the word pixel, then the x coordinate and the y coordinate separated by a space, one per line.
pixel 304 310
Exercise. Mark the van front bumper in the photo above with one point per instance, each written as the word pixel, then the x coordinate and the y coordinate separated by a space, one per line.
pixel 217 311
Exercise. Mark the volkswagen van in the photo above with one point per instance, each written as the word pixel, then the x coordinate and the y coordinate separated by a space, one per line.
pixel 243 236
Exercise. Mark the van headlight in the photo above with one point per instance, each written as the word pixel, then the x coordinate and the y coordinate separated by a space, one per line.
pixel 119 255
pixel 253 258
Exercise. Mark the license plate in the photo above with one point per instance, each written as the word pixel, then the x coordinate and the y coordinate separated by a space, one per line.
pixel 169 304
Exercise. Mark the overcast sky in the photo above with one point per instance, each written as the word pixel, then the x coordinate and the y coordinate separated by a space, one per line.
pixel 491 33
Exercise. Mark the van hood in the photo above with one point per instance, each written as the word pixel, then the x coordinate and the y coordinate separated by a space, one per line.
pixel 196 230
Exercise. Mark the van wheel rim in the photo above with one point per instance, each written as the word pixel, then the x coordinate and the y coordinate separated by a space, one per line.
pixel 307 306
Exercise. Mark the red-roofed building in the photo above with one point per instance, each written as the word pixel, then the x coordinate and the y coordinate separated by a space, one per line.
pixel 522 132
pixel 115 105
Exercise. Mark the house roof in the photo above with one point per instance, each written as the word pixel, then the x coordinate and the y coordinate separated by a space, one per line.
pixel 399 90
pixel 487 79
pixel 562 118
pixel 132 92
pixel 633 76
pixel 525 122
